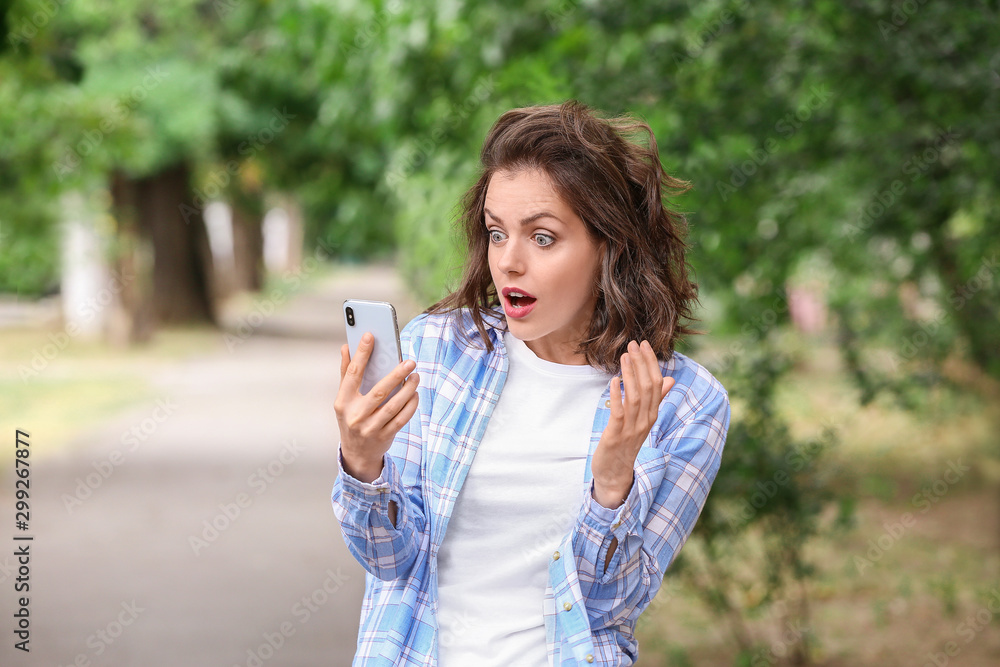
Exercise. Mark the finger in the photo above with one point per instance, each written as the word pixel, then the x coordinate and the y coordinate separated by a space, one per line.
pixel 404 415
pixel 631 388
pixel 382 388
pixel 356 369
pixel 642 379
pixel 387 412
pixel 655 379
pixel 616 398
pixel 668 384
pixel 642 375
pixel 340 402
pixel 345 360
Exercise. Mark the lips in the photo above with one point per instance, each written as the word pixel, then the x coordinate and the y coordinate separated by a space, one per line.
pixel 517 302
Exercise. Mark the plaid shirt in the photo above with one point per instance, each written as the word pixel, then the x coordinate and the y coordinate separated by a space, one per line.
pixel 589 613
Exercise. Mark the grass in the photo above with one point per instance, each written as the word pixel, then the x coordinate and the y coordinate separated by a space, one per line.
pixel 889 440
pixel 57 387
pixel 912 601
pixel 908 601
pixel 73 389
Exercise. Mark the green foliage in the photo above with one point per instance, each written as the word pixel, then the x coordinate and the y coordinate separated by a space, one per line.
pixel 768 110
pixel 429 240
pixel 28 245
pixel 851 144
pixel 747 556
pixel 28 267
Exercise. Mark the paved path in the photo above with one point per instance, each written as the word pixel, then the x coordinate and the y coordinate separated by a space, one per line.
pixel 238 452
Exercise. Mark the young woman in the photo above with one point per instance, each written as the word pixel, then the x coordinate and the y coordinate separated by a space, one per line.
pixel 518 501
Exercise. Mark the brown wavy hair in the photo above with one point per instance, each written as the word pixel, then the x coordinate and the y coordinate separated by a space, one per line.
pixel 617 186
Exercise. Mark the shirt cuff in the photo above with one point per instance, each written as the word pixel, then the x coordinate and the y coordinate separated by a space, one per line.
pixel 599 520
pixel 378 491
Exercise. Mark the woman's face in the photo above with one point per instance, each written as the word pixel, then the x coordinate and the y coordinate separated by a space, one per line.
pixel 540 247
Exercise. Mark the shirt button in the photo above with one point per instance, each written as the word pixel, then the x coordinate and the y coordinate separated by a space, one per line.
pixel 555 556
pixel 567 605
pixel 607 403
pixel 590 657
pixel 615 525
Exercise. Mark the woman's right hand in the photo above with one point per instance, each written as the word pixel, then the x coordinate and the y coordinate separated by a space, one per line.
pixel 367 430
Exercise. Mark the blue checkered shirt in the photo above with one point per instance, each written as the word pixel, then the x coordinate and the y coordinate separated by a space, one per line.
pixel 590 614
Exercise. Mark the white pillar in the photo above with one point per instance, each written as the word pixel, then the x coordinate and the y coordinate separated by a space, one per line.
pixel 85 282
pixel 277 236
pixel 219 223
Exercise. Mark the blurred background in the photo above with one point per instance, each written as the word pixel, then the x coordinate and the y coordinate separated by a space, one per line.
pixel 189 190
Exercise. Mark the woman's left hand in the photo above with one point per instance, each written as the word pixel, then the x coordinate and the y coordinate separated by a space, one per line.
pixel 631 419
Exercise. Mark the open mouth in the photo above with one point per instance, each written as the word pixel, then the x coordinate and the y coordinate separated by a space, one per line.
pixel 520 301
pixel 517 302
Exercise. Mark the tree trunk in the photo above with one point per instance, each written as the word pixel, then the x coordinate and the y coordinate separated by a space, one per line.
pixel 248 249
pixel 160 210
pixel 296 233
pixel 132 320
pixel 182 270
pixel 974 316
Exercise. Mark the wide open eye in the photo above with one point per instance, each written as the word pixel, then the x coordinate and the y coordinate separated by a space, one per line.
pixel 549 240
pixel 496 236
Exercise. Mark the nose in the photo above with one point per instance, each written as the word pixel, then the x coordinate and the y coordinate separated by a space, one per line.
pixel 510 257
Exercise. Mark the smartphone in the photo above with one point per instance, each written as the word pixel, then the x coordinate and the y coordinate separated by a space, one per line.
pixel 378 317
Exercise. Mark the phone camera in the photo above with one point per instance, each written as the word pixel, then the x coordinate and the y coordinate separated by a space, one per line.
pixel 350 316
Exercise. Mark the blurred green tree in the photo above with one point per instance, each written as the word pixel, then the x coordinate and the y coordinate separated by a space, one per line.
pixel 796 123
pixel 852 143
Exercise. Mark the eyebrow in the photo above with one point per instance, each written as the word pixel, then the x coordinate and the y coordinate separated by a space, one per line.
pixel 525 221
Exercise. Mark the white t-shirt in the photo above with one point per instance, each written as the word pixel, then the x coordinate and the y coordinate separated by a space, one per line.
pixel 522 494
